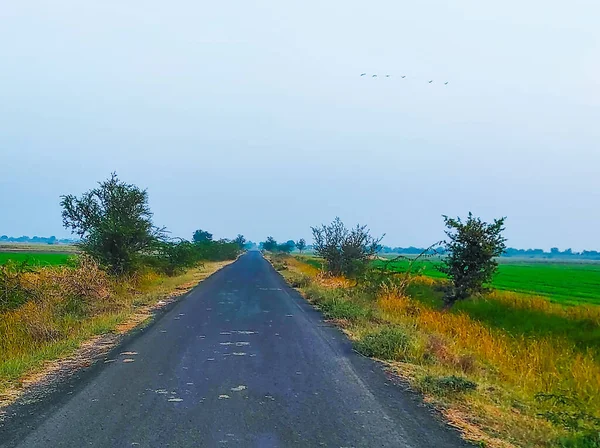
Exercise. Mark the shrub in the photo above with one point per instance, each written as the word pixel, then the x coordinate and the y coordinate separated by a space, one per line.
pixel 220 250
pixel 12 289
pixel 586 440
pixel 391 343
pixel 345 251
pixel 472 247
pixel 571 414
pixel 447 384
pixel 172 257
pixel 339 307
pixel 299 281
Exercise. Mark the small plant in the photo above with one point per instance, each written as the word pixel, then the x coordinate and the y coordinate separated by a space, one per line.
pixel 471 248
pixel 385 277
pixel 569 413
pixel 447 384
pixel 13 292
pixel 335 305
pixel 299 281
pixel 388 343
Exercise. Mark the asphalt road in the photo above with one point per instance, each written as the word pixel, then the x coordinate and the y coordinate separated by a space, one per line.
pixel 242 361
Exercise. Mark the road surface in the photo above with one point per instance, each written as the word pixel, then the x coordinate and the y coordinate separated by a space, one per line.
pixel 241 361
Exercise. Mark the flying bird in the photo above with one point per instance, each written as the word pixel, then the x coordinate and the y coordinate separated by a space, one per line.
pixel 387 76
pixel 363 74
pixel 430 81
pixel 403 76
pixel 374 76
pixel 446 83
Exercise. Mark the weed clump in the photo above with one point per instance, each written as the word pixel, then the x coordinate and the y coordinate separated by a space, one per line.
pixel 390 343
pixel 299 281
pixel 447 385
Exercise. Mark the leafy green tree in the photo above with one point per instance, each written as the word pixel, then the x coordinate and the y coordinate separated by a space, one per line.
pixel 471 247
pixel 345 251
pixel 240 241
pixel 286 247
pixel 270 244
pixel 202 235
pixel 114 223
pixel 301 245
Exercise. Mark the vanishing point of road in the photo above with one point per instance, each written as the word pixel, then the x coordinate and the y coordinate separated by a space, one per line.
pixel 241 361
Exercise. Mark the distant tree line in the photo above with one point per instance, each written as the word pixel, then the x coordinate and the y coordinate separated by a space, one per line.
pixel 37 240
pixel 554 253
pixel 271 245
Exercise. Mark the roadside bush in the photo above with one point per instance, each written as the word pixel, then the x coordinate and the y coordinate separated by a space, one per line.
pixel 299 281
pixel 220 250
pixel 383 276
pixel 340 307
pixel 173 257
pixel 13 291
pixel 447 385
pixel 390 343
pixel 589 440
pixel 345 251
pixel 571 414
pixel 472 248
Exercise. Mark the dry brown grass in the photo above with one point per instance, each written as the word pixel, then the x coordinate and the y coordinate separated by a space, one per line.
pixel 70 309
pixel 509 370
pixel 538 303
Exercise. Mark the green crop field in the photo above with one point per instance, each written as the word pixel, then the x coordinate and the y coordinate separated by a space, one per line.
pixel 561 282
pixel 36 258
pixel 569 283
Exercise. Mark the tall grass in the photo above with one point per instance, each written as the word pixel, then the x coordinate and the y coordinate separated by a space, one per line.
pixel 485 363
pixel 66 306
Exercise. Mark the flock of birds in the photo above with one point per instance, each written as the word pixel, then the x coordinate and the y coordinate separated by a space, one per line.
pixel 403 76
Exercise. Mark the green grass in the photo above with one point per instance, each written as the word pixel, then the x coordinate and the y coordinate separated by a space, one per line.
pixel 36 258
pixel 568 283
pixel 583 333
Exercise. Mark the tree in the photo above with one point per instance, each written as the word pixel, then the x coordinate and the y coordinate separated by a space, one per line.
pixel 270 244
pixel 471 248
pixel 201 236
pixel 286 247
pixel 301 245
pixel 240 241
pixel 114 223
pixel 346 251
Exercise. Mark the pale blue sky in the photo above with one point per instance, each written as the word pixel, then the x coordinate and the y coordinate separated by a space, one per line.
pixel 251 117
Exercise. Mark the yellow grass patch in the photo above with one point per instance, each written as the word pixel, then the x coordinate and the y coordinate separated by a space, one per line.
pixel 509 370
pixel 54 331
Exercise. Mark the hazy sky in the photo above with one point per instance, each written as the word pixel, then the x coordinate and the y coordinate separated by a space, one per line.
pixel 251 116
